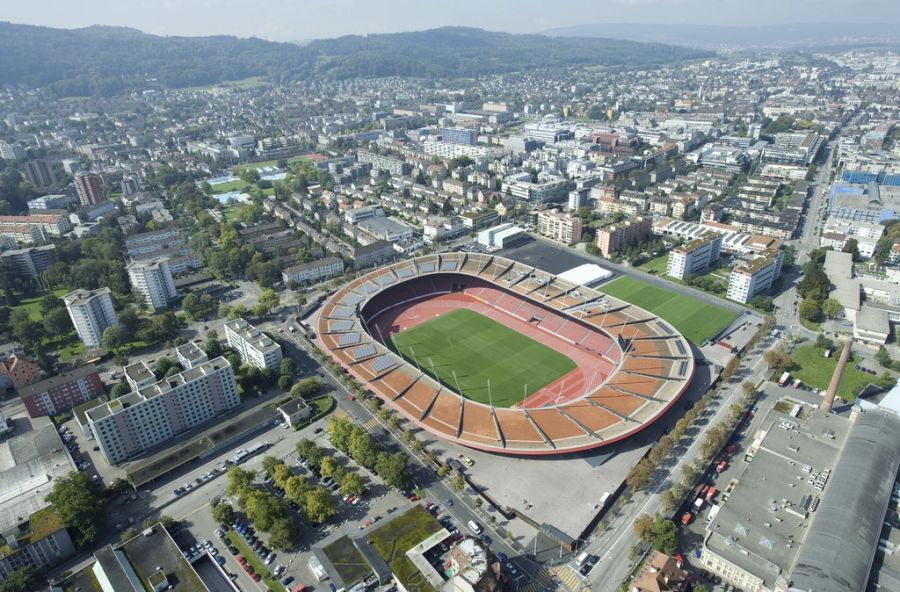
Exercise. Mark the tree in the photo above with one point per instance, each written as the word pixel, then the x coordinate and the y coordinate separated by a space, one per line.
pixel 282 536
pixel 24 579
pixel 664 535
pixel 392 469
pixel 318 505
pixel 749 388
pixel 269 463
pixel 852 246
pixel 669 500
pixel 363 450
pixel 285 382
pixel 443 471
pixel 328 466
pixel 307 387
pixel 639 476
pixel 57 322
pixel 778 359
pixel 239 481
pixel 128 534
pixel 823 342
pixel 809 310
pixel 268 301
pixel 213 348
pixel 288 367
pixel 119 389
pixel 832 308
pixel 763 303
pixel 643 527
pixel 78 505
pixel 163 365
pixel 223 513
pixel 458 483
pixel 352 484
pixel 263 508
pixel 883 357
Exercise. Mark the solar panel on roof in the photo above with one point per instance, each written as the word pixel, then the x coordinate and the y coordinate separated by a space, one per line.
pixel 681 348
pixel 342 312
pixel 406 272
pixel 340 325
pixel 363 351
pixel 449 266
pixel 382 363
pixel 426 267
pixel 370 287
pixel 683 368
pixel 348 339
pixel 351 299
pixel 386 280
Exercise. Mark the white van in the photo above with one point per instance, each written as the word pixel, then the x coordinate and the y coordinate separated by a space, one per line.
pixel 474 526
pixel 579 561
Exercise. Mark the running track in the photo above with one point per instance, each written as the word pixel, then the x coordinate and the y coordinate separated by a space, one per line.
pixel 591 368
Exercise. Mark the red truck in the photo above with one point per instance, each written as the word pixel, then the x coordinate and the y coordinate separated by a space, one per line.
pixel 686 518
pixel 712 491
pixel 723 464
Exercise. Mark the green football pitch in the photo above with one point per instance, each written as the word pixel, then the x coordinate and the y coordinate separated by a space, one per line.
pixel 695 320
pixel 479 349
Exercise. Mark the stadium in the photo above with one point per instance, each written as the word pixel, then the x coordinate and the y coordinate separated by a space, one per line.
pixel 500 356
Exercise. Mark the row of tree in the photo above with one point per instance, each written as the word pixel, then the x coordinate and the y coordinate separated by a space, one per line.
pixel 266 511
pixel 356 442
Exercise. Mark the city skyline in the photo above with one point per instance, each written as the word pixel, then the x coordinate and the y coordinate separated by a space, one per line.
pixel 301 20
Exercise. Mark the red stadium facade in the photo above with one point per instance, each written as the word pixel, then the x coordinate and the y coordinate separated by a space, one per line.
pixel 630 366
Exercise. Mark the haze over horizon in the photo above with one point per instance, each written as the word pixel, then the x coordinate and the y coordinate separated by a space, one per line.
pixel 297 20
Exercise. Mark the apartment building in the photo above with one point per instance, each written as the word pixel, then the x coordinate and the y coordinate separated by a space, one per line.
pixel 616 237
pixel 44 225
pixel 314 271
pixel 754 277
pixel 393 165
pixel 91 312
pixel 90 189
pixel 255 347
pixel 31 261
pixel 49 202
pixel 140 421
pixel 563 227
pixel 190 356
pixel 31 545
pixel 146 243
pixel 38 173
pixel 695 256
pixel 152 278
pixel 60 393
pixel 459 135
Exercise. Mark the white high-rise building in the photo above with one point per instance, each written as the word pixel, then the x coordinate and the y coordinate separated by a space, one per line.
pixel 155 414
pixel 255 347
pixel 756 277
pixel 695 256
pixel 153 279
pixel 91 312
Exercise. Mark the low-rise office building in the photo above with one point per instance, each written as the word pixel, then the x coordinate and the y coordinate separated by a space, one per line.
pixel 255 347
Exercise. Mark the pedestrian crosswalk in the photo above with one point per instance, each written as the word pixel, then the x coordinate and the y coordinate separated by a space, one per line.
pixel 540 582
pixel 569 578
pixel 370 424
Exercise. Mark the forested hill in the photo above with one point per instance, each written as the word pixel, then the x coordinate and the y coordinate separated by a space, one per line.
pixel 104 60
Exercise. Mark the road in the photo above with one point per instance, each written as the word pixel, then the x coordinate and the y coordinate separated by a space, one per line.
pixel 614 546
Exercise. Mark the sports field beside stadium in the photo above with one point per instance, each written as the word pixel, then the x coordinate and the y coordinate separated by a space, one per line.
pixel 695 319
pixel 479 349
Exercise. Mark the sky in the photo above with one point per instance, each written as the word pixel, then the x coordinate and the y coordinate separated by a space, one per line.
pixel 298 20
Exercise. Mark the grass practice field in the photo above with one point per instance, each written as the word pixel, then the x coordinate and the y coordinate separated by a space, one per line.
pixel 696 320
pixel 478 349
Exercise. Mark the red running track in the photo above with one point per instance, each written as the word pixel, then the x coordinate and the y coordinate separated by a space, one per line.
pixel 590 366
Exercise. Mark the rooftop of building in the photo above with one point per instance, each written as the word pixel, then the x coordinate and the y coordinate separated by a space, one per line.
pixel 165 385
pixel 150 263
pixel 767 516
pixel 139 372
pixel 191 352
pixel 76 373
pixel 259 340
pixel 132 565
pixel 82 296
pixel 30 460
pixel 313 264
